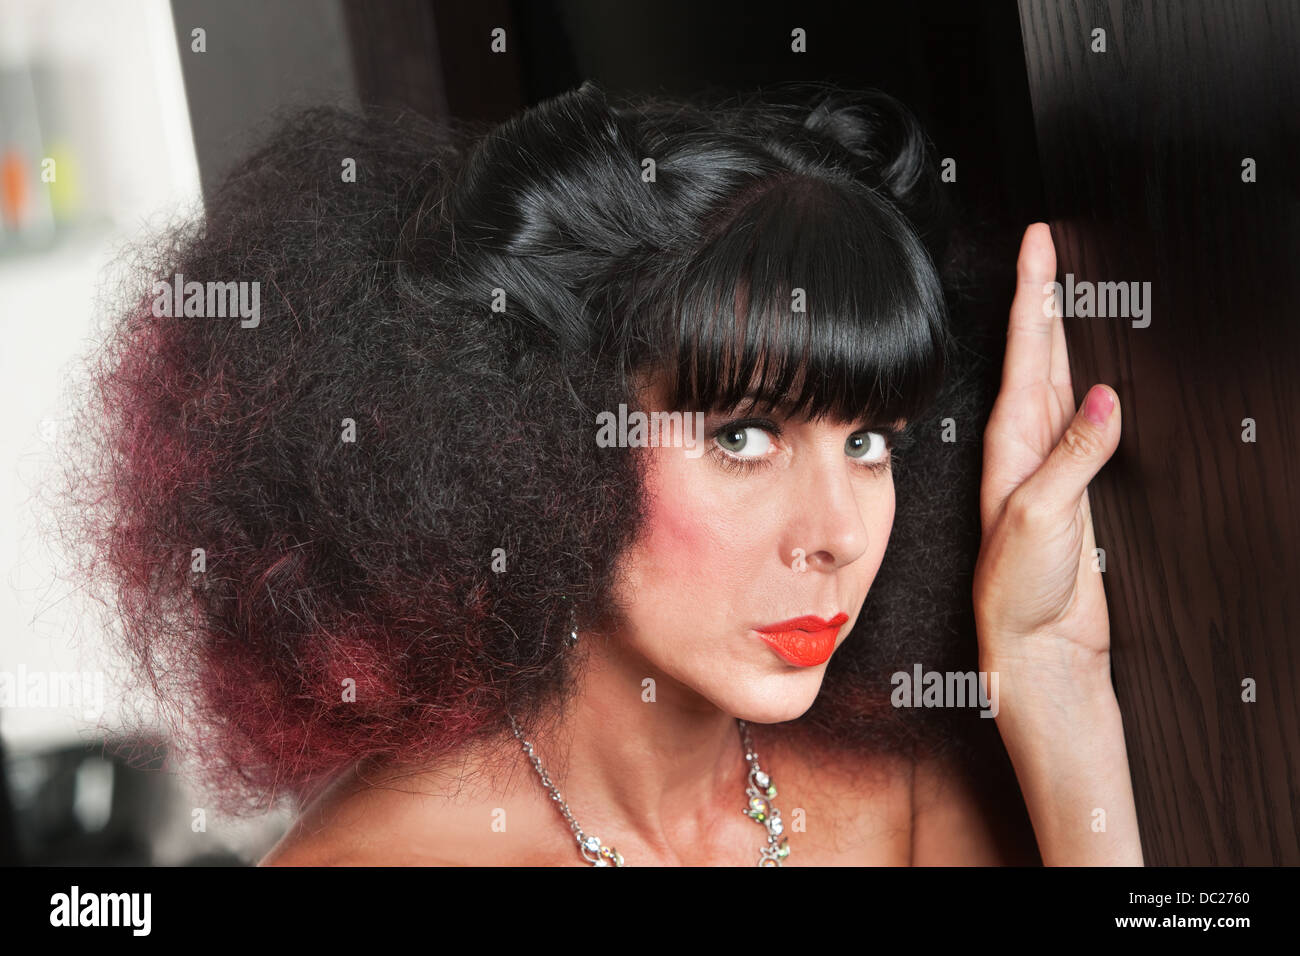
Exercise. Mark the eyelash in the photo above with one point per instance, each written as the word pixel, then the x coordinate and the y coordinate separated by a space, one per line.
pixel 749 465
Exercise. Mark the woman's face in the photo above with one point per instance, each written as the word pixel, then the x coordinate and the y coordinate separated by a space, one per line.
pixel 759 529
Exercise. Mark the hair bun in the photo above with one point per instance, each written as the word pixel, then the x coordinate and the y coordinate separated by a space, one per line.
pixel 884 146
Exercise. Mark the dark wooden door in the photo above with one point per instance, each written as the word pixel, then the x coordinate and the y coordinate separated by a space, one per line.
pixel 1173 158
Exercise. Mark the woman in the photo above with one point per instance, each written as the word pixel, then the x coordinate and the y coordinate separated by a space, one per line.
pixel 401 549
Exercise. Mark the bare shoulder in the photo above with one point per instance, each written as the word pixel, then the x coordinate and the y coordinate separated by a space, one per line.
pixel 330 832
pixel 347 824
pixel 347 841
pixel 417 820
pixel 953 821
pixel 856 810
pixel 324 853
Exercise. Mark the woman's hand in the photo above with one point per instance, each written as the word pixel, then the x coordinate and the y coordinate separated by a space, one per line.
pixel 1040 609
pixel 1038 592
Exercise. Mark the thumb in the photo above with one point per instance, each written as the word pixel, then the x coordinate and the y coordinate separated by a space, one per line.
pixel 1086 445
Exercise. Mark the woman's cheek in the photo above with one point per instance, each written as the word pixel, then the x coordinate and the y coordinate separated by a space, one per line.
pixel 703 540
pixel 684 540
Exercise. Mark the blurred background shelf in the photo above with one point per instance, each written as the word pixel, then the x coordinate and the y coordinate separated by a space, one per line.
pixel 96 149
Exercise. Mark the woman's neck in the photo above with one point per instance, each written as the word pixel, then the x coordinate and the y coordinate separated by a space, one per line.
pixel 652 769
pixel 633 757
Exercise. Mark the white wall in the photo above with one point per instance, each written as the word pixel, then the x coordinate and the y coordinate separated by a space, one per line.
pixel 134 165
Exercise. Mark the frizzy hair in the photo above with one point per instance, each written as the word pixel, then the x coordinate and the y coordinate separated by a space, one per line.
pixel 376 564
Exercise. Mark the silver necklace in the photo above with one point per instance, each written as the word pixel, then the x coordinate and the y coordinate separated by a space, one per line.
pixel 759 789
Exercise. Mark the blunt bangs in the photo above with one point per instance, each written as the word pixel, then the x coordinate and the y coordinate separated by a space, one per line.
pixel 812 297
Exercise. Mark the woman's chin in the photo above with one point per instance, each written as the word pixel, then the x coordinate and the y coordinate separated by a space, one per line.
pixel 774 703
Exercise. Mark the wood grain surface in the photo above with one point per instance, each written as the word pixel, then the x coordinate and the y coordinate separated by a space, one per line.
pixel 1141 149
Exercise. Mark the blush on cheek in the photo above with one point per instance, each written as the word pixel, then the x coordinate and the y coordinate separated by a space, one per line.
pixel 678 538
pixel 698 531
pixel 677 530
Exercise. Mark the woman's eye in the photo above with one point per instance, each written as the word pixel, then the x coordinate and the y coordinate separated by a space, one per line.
pixel 748 445
pixel 867 447
pixel 749 441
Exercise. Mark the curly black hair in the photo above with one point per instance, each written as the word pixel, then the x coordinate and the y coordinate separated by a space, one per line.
pixel 391 474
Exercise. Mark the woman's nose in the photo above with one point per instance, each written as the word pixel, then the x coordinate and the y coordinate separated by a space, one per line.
pixel 827 530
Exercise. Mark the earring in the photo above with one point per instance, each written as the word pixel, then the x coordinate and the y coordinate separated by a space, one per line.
pixel 572 637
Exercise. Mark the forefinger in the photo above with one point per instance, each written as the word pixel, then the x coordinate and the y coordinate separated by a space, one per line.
pixel 1030 329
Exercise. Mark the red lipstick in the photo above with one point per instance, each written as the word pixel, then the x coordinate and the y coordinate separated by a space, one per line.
pixel 803 641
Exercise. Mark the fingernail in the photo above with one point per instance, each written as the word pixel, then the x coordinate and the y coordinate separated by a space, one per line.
pixel 1097 406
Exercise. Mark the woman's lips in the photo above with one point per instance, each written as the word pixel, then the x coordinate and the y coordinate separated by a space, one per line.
pixel 804 641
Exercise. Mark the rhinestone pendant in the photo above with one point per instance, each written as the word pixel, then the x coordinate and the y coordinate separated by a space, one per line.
pixel 773 855
pixel 597 854
pixel 761 790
